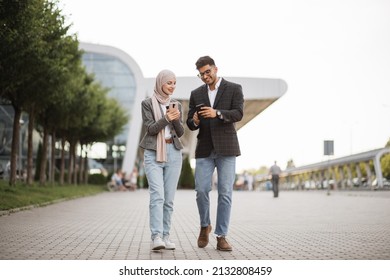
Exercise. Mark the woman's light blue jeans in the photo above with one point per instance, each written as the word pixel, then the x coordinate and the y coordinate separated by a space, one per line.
pixel 162 179
pixel 226 170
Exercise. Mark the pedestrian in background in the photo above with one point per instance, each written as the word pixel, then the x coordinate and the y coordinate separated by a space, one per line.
pixel 163 124
pixel 274 172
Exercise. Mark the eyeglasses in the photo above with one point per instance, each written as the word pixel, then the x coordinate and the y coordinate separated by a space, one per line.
pixel 207 72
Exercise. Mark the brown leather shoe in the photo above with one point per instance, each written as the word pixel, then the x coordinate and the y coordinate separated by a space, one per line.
pixel 203 238
pixel 222 244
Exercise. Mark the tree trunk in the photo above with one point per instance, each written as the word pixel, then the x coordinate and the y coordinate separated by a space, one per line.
pixel 76 164
pixel 81 169
pixel 42 172
pixel 30 159
pixel 71 162
pixel 62 167
pixel 86 166
pixel 53 158
pixel 15 145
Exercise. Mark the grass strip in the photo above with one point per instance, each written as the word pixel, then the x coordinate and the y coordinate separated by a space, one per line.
pixel 21 195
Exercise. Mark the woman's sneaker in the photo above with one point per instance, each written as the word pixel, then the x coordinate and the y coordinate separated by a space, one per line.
pixel 158 243
pixel 168 244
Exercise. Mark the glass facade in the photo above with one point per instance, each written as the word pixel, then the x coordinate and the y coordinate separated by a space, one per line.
pixel 115 75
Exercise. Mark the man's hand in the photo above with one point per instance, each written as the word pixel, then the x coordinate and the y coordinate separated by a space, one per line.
pixel 208 112
pixel 196 119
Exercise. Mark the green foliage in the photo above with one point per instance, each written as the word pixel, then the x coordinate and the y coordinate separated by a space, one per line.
pixel 261 170
pixel 41 73
pixel 385 163
pixel 142 182
pixel 97 179
pixel 20 195
pixel 362 169
pixel 186 180
pixel 32 52
pixel 107 121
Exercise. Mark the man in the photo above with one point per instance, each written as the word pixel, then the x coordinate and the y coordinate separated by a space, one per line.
pixel 275 173
pixel 213 109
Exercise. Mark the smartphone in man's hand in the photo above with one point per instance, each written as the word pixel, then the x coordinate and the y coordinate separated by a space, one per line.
pixel 199 107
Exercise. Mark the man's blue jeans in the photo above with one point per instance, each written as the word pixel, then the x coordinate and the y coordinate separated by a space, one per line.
pixel 226 170
pixel 162 179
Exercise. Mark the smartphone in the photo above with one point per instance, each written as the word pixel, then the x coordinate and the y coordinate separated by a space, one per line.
pixel 199 107
pixel 171 105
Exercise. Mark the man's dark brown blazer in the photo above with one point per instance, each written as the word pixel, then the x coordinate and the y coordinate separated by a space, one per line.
pixel 216 134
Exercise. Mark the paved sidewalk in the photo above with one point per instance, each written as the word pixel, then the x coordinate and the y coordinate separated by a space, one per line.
pixel 299 225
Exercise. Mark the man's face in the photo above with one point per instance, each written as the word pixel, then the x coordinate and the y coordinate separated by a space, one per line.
pixel 208 74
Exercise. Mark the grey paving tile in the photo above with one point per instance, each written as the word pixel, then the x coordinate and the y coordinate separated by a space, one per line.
pixel 114 226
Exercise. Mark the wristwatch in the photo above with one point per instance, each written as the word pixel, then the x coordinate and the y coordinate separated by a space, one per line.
pixel 219 115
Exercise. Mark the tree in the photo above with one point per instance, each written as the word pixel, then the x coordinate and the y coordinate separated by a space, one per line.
pixel 290 164
pixel 61 57
pixel 65 114
pixel 109 120
pixel 19 55
pixel 48 116
pixel 33 56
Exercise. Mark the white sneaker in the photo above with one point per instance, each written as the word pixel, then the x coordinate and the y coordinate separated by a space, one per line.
pixel 158 243
pixel 168 244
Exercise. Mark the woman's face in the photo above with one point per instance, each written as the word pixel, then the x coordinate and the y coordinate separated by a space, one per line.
pixel 169 87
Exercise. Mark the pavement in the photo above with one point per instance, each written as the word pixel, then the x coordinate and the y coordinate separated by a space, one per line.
pixel 298 225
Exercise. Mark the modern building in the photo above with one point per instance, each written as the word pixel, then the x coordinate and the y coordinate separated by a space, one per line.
pixel 119 72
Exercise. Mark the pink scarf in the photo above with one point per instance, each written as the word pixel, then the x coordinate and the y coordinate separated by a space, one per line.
pixel 160 97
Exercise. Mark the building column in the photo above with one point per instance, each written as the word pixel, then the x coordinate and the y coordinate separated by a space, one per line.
pixel 349 174
pixel 369 175
pixel 359 174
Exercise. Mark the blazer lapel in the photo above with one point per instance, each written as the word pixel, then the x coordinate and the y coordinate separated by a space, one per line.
pixel 221 89
pixel 205 96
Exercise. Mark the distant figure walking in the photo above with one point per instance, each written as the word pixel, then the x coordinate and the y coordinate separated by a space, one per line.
pixel 275 173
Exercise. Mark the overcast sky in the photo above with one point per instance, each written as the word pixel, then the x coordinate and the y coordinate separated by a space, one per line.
pixel 333 54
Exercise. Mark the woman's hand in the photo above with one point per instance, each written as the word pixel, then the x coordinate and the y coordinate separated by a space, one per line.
pixel 173 114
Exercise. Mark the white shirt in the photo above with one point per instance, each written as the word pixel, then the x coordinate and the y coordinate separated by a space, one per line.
pixel 213 93
pixel 167 128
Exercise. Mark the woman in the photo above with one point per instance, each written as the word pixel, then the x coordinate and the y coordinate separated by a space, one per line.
pixel 161 117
